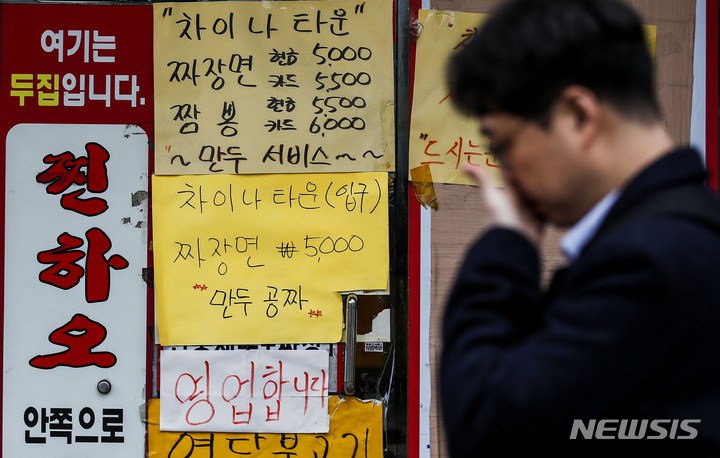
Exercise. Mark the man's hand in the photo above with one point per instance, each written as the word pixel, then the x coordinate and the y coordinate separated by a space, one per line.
pixel 505 206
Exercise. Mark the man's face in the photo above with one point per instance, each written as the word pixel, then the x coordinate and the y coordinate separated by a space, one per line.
pixel 544 165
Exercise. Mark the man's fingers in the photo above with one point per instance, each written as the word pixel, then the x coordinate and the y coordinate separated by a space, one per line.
pixel 504 204
pixel 478 174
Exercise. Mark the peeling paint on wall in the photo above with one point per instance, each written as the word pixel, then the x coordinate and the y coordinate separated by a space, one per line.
pixel 139 197
pixel 380 329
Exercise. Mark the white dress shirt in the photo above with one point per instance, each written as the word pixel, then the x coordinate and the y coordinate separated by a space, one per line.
pixel 580 234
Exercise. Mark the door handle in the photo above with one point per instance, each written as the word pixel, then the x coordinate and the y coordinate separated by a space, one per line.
pixel 350 354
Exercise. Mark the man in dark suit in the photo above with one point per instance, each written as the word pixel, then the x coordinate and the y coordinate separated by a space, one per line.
pixel 621 354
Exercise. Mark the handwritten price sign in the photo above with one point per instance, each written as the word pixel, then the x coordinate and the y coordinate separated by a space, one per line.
pixel 251 259
pixel 274 87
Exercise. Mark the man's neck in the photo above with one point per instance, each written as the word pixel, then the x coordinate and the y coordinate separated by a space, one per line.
pixel 628 148
pixel 621 149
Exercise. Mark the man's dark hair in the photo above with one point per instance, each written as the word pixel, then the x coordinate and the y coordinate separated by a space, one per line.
pixel 529 51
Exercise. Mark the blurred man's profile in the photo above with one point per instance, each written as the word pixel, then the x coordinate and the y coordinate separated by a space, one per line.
pixel 621 353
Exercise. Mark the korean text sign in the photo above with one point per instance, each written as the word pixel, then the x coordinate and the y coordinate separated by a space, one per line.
pixel 440 136
pixel 76 85
pixel 250 391
pixel 273 87
pixel 247 259
pixel 355 430
pixel 76 63
pixel 75 258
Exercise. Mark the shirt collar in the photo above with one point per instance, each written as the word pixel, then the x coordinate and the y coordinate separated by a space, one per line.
pixel 580 234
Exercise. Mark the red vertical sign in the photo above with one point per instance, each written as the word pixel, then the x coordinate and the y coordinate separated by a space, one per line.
pixel 76 118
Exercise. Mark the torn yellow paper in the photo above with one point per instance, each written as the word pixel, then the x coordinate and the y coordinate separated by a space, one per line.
pixel 422 183
pixel 441 137
pixel 355 430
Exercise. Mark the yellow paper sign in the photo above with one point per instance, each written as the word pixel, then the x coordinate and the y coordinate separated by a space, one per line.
pixel 252 259
pixel 355 431
pixel 273 87
pixel 441 137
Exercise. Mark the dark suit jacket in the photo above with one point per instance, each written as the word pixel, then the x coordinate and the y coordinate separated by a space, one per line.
pixel 630 331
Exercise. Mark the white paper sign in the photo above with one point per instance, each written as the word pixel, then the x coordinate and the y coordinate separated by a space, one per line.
pixel 75 301
pixel 244 391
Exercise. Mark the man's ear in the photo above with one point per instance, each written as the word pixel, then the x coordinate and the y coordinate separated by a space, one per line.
pixel 582 112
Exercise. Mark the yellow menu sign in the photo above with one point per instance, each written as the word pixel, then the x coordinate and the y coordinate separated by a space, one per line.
pixel 251 259
pixel 273 87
